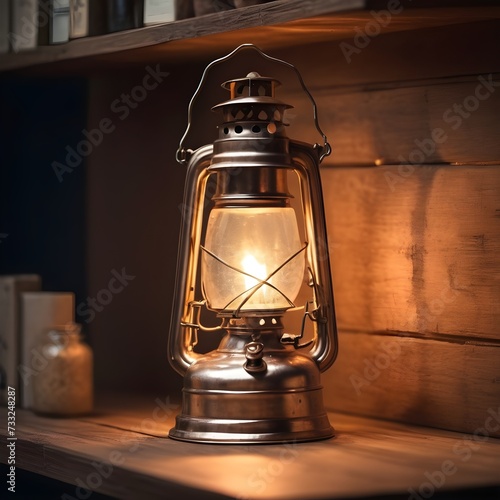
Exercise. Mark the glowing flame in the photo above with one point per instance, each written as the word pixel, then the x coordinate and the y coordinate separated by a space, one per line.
pixel 251 265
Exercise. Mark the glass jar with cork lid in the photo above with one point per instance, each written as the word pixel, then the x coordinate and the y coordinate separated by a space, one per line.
pixel 63 386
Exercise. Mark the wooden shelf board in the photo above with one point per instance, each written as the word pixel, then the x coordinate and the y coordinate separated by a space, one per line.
pixel 367 457
pixel 271 26
pixel 250 17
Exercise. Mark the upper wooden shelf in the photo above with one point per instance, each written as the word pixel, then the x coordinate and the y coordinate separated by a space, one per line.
pixel 366 458
pixel 273 25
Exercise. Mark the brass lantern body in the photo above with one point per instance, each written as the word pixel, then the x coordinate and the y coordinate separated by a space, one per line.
pixel 261 384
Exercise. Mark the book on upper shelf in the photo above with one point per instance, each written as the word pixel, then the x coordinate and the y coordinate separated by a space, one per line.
pixel 4 26
pixel 158 11
pixel 124 14
pixel 53 21
pixel 108 16
pixel 79 18
pixel 97 17
pixel 23 33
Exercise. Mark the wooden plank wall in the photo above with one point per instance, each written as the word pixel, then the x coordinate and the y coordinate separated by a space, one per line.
pixel 412 194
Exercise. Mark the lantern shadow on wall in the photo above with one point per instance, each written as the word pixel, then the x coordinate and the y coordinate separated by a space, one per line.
pixel 247 258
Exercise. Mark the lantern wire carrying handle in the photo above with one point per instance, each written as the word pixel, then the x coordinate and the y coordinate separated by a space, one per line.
pixel 182 154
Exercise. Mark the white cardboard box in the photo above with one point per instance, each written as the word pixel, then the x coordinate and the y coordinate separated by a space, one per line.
pixel 11 287
pixel 40 311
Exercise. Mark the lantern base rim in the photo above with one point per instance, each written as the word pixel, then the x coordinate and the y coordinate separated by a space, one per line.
pixel 196 430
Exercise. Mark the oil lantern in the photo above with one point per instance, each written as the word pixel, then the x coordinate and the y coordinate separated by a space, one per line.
pixel 245 257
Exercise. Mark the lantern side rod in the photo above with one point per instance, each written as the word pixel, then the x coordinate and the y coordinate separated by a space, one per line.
pixel 325 346
pixel 180 347
pixel 182 154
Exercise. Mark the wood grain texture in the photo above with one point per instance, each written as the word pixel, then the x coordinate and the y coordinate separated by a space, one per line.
pixel 416 250
pixel 411 122
pixel 366 458
pixel 426 382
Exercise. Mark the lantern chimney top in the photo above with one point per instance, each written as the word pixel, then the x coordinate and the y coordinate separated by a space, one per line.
pixel 253 85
